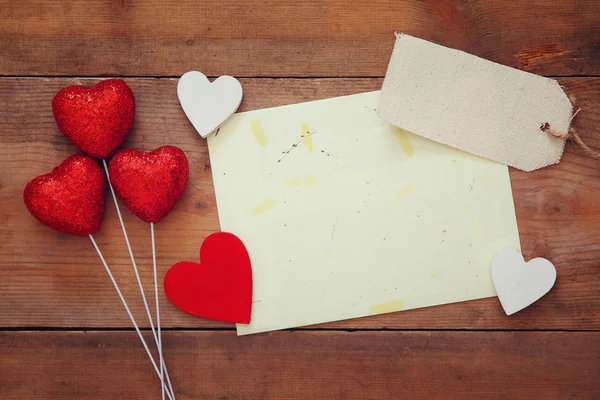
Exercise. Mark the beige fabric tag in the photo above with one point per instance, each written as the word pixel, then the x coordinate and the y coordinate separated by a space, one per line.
pixel 474 105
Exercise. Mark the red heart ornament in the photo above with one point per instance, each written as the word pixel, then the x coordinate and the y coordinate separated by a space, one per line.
pixel 96 119
pixel 150 184
pixel 220 288
pixel 71 198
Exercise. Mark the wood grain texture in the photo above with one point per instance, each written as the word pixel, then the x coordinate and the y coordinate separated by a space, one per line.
pixel 461 351
pixel 51 279
pixel 278 38
pixel 304 365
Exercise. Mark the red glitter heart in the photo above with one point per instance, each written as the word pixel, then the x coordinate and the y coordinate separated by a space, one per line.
pixel 96 119
pixel 150 184
pixel 71 198
pixel 221 287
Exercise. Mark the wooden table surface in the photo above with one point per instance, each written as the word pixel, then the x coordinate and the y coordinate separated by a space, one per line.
pixel 63 331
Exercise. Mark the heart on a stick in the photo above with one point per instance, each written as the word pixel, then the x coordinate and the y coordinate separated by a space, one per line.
pixel 150 183
pixel 70 199
pixel 208 105
pixel 519 283
pixel 220 288
pixel 96 119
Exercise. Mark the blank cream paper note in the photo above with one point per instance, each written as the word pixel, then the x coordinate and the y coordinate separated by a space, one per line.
pixel 345 215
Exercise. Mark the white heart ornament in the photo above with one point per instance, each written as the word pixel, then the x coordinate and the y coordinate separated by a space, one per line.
pixel 519 283
pixel 208 105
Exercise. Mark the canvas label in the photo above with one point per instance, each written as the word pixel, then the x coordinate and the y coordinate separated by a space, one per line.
pixel 474 104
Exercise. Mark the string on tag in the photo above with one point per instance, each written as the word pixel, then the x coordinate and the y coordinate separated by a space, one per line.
pixel 572 135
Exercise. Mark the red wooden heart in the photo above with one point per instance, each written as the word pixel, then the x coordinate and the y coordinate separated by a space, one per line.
pixel 96 119
pixel 71 198
pixel 150 184
pixel 219 288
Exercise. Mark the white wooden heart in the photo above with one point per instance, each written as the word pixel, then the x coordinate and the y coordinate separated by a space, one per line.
pixel 208 105
pixel 519 283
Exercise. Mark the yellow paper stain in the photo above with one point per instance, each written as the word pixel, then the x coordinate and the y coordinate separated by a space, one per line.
pixel 306 134
pixel 405 143
pixel 303 323
pixel 433 274
pixel 405 191
pixel 452 163
pixel 302 181
pixel 259 133
pixel 264 206
pixel 387 307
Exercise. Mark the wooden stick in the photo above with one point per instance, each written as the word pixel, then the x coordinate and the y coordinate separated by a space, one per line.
pixel 159 345
pixel 135 325
pixel 139 281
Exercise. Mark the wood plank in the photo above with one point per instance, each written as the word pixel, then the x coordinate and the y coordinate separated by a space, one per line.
pixel 50 279
pixel 302 38
pixel 304 365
